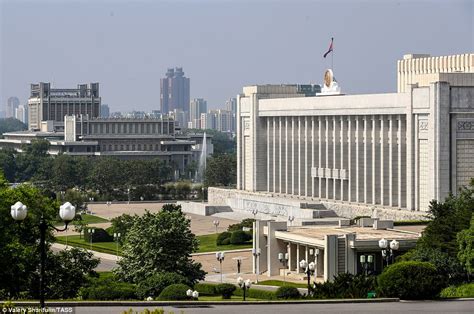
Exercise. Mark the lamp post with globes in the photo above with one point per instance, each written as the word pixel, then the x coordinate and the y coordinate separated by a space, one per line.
pixel 254 213
pixel 220 258
pixel 216 224
pixel 67 212
pixel 388 249
pixel 283 258
pixel 192 294
pixel 244 284
pixel 308 269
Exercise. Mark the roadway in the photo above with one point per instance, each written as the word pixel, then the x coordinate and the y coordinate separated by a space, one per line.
pixel 386 308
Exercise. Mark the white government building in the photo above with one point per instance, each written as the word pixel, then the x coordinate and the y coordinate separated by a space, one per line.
pixel 382 155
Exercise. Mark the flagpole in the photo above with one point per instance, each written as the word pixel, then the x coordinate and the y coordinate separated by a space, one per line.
pixel 332 55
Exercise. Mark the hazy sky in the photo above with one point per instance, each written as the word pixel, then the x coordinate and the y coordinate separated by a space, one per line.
pixel 222 45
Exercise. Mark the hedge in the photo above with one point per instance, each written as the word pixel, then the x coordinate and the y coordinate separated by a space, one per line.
pixel 239 237
pixel 205 288
pixel 111 291
pixel 257 294
pixel 175 292
pixel 462 291
pixel 154 284
pixel 222 236
pixel 409 280
pixel 225 289
pixel 287 292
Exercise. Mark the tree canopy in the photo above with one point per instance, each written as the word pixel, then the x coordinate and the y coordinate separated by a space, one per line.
pixel 159 242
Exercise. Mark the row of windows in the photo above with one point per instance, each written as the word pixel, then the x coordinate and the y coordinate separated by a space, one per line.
pixel 132 128
pixel 131 147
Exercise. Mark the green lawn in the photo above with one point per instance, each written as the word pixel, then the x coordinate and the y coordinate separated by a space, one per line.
pixel 91 219
pixel 207 243
pixel 88 219
pixel 104 247
pixel 280 283
pixel 219 298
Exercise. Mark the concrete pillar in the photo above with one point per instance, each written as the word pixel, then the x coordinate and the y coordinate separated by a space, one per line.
pixel 286 156
pixel 342 157
pixel 330 257
pixel 268 154
pixel 293 156
pixel 373 138
pixel 390 160
pixel 357 168
pixel 274 247
pixel 298 258
pixel 306 168
pixel 313 156
pixel 320 180
pixel 366 172
pixel 327 165
pixel 280 152
pixel 349 159
pixel 351 256
pixel 260 242
pixel 382 160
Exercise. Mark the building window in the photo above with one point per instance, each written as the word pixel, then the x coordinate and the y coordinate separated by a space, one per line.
pixel 115 147
pixel 128 147
pixel 139 147
pixel 110 147
pixel 104 148
pixel 121 147
pixel 133 146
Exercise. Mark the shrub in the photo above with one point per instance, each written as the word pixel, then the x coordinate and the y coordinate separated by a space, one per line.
pixel 239 237
pixel 205 288
pixel 222 236
pixel 153 285
pixel 462 291
pixel 409 280
pixel 286 292
pixel 111 291
pixel 175 292
pixel 257 294
pixel 226 241
pixel 345 286
pixel 225 289
pixel 99 235
pixel 248 223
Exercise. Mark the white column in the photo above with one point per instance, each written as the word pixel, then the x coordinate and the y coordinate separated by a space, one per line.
pixel 349 158
pixel 319 155
pixel 357 159
pixel 390 161
pixel 400 142
pixel 292 155
pixel 382 161
pixel 334 154
pixel 268 154
pixel 373 159
pixel 327 157
pixel 313 132
pixel 274 155
pixel 300 161
pixel 280 149
pixel 298 258
pixel 417 169
pixel 342 157
pixel 366 172
pixel 286 155
pixel 306 156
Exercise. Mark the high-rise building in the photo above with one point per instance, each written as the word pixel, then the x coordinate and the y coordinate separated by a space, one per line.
pixel 21 113
pixel 47 104
pixel 196 107
pixel 175 91
pixel 231 105
pixel 12 105
pixel 180 117
pixel 104 111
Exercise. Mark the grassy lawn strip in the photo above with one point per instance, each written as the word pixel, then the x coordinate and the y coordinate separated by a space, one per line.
pixel 232 298
pixel 104 247
pixel 91 219
pixel 280 283
pixel 462 291
pixel 207 243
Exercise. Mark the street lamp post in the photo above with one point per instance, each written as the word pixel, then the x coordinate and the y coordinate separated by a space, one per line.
pixel 366 262
pixel 283 258
pixel 316 255
pixel 256 254
pixel 220 258
pixel 216 224
pixel 388 250
pixel 308 269
pixel 244 284
pixel 91 234
pixel 116 238
pixel 67 212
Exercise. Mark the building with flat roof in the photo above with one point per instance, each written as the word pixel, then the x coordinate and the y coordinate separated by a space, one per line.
pixel 353 154
pixel 52 104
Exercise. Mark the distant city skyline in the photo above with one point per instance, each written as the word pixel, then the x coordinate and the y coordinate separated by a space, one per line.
pixel 222 45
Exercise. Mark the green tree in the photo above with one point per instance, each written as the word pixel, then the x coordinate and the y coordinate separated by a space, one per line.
pixel 465 241
pixel 67 271
pixel 8 164
pixel 107 174
pixel 11 125
pixel 221 170
pixel 159 242
pixel 122 224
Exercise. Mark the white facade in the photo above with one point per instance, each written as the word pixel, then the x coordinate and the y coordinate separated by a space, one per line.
pixel 391 151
